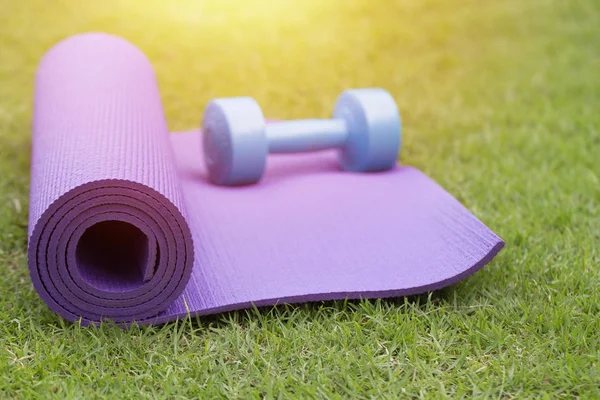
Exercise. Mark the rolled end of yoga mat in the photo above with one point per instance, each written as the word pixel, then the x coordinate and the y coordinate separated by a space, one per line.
pixel 108 237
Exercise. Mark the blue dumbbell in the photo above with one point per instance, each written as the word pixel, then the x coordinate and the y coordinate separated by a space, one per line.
pixel 365 127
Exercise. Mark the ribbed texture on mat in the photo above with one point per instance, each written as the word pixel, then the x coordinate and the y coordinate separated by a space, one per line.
pixel 124 225
pixel 101 153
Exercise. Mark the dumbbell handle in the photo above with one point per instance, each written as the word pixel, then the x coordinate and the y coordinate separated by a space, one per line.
pixel 306 135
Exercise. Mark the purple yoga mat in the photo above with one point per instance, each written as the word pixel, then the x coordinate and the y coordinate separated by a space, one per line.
pixel 124 226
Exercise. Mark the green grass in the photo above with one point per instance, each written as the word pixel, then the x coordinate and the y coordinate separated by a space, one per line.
pixel 501 105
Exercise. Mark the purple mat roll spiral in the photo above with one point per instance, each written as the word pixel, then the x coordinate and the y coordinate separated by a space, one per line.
pixel 98 124
pixel 123 224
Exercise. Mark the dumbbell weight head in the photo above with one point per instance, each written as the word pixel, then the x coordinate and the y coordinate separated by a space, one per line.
pixel 374 130
pixel 236 143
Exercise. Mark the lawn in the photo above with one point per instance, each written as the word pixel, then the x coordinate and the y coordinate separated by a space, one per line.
pixel 501 105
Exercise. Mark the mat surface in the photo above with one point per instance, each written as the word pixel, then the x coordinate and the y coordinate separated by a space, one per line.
pixel 123 224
